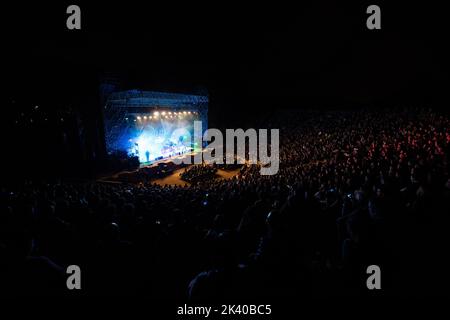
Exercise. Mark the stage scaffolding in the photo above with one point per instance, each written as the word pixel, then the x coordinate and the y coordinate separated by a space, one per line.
pixel 121 107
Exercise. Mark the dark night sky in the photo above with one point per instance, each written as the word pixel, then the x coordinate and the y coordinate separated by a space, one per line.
pixel 319 53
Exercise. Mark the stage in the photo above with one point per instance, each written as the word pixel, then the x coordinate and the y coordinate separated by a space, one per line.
pixel 152 126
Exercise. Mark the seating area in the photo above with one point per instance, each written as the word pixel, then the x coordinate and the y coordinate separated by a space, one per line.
pixel 199 173
pixel 354 188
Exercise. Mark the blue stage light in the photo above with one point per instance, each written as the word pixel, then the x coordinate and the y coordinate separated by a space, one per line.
pixel 160 135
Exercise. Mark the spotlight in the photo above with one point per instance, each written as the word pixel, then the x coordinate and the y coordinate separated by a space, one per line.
pixel 189 112
pixel 156 113
pixel 150 117
pixel 138 117
pixel 163 113
pixel 170 112
pixel 145 117
pixel 184 112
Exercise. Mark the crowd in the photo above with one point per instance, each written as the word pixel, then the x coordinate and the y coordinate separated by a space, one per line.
pixel 146 174
pixel 199 173
pixel 355 188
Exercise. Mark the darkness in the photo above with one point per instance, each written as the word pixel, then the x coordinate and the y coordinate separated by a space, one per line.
pixel 247 58
pixel 318 53
pixel 253 60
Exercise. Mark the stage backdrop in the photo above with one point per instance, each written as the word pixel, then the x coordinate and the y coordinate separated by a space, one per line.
pixel 153 125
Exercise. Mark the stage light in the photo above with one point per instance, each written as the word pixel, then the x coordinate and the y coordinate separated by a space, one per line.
pixel 156 113
pixel 163 113
pixel 138 117
pixel 150 117
pixel 184 112
pixel 189 112
pixel 126 119
pixel 170 113
pixel 145 117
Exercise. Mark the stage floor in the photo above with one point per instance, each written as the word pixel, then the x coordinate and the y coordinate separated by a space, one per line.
pixel 168 159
